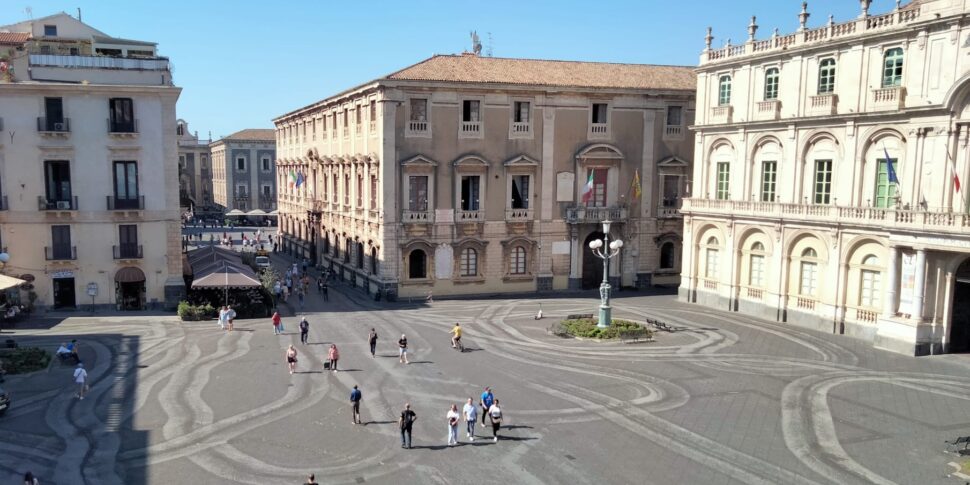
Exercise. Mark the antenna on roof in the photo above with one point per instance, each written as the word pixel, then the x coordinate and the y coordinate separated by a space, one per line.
pixel 30 13
pixel 476 43
pixel 488 51
pixel 79 14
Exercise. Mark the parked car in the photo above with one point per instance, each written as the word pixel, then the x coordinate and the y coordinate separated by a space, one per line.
pixel 262 262
pixel 4 401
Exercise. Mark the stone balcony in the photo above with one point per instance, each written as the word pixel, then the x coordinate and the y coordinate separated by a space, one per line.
pixel 581 214
pixel 767 110
pixel 518 215
pixel 669 213
pixel 888 99
pixel 722 114
pixel 469 216
pixel 923 222
pixel 417 217
pixel 823 105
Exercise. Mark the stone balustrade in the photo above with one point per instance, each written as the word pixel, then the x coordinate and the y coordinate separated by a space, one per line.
pixel 580 214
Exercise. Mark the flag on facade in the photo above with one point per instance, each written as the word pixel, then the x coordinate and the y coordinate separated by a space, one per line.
pixel 890 171
pixel 299 179
pixel 588 188
pixel 292 178
pixel 636 184
pixel 953 172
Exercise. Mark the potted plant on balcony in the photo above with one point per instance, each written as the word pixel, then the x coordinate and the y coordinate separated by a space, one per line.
pixel 6 69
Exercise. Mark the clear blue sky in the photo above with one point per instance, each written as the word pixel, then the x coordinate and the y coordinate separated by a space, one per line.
pixel 241 63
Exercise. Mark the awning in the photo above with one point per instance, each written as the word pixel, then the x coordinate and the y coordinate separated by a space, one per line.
pixel 226 275
pixel 9 282
pixel 235 212
pixel 256 212
pixel 274 213
pixel 129 274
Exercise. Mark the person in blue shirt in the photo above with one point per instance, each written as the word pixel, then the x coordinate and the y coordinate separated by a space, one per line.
pixel 487 400
pixel 355 396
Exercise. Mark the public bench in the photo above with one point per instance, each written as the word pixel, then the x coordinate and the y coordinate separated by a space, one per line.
pixel 634 336
pixel 959 446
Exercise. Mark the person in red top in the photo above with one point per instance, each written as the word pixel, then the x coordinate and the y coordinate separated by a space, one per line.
pixel 277 323
pixel 333 355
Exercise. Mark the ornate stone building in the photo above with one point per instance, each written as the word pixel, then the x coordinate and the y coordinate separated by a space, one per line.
pixel 244 171
pixel 824 193
pixel 463 175
pixel 195 171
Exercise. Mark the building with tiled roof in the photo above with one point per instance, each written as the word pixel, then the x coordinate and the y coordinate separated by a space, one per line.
pixel 250 134
pixel 244 172
pixel 464 174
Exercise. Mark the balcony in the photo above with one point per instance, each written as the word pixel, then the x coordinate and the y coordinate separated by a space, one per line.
pixel 922 222
pixel 767 110
pixel 722 114
pixel 99 62
pixel 418 128
pixel 60 252
pixel 674 132
pixel 122 128
pixel 581 214
pixel 599 130
pixel 469 216
pixel 127 251
pixel 888 99
pixel 53 126
pixel 521 129
pixel 470 129
pixel 67 204
pixel 518 215
pixel 417 217
pixel 823 105
pixel 125 203
pixel 669 213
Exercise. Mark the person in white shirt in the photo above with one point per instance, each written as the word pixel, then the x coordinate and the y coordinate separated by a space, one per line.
pixel 222 317
pixel 471 416
pixel 80 378
pixel 453 425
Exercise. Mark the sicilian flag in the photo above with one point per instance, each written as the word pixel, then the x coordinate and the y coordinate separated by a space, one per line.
pixel 890 171
pixel 588 188
pixel 953 172
pixel 636 184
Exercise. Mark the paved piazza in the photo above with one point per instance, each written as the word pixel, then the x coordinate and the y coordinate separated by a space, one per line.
pixel 724 400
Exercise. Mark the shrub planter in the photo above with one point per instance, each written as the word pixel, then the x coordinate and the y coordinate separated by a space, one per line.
pixel 24 360
pixel 585 328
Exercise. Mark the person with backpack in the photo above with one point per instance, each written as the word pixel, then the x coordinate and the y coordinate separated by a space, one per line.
pixel 304 330
pixel 372 339
pixel 452 417
pixel 355 397
pixel 486 401
pixel 406 422
pixel 495 416
pixel 81 379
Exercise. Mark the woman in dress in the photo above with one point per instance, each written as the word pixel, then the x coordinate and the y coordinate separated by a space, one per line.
pixel 333 355
pixel 291 358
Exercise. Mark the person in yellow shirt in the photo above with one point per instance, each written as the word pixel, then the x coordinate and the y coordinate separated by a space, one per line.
pixel 456 337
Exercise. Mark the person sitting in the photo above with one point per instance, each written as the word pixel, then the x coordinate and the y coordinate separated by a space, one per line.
pixel 63 352
pixel 72 348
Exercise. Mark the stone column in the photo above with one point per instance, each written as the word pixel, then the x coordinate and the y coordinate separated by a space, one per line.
pixel 892 284
pixel 575 252
pixel 920 288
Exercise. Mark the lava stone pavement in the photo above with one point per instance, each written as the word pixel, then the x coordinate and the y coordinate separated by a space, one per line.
pixel 722 399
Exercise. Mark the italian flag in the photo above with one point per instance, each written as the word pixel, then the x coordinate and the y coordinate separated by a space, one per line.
pixel 292 177
pixel 953 171
pixel 588 188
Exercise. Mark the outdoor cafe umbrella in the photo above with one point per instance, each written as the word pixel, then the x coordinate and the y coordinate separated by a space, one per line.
pixel 235 212
pixel 256 212
pixel 225 275
pixel 7 282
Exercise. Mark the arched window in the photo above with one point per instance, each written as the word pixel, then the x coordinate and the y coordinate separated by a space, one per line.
pixel 756 272
pixel 517 261
pixel 417 264
pixel 373 260
pixel 468 262
pixel 871 282
pixel 326 244
pixel 348 247
pixel 360 255
pixel 892 71
pixel 826 76
pixel 724 90
pixel 771 84
pixel 667 256
pixel 808 280
pixel 710 266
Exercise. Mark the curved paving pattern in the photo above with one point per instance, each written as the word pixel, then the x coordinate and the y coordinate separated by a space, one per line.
pixel 724 399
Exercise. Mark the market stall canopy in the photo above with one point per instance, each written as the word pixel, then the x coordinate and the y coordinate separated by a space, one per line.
pixel 209 254
pixel 9 282
pixel 256 212
pixel 235 212
pixel 224 274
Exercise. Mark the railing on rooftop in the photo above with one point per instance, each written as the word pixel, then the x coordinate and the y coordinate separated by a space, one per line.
pixel 99 62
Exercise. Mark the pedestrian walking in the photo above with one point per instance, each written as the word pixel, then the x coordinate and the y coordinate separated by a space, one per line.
pixel 452 417
pixel 403 349
pixel 286 293
pixel 291 358
pixel 406 422
pixel 355 397
pixel 470 413
pixel 223 321
pixel 320 285
pixel 312 479
pixel 230 317
pixel 372 340
pixel 486 401
pixel 326 291
pixel 495 416
pixel 304 330
pixel 81 380
pixel 30 479
pixel 333 355
pixel 299 294
pixel 277 323
pixel 305 264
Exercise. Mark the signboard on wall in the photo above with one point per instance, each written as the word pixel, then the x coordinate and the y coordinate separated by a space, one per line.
pixel 445 216
pixel 907 282
pixel 560 247
pixel 564 186
pixel 443 262
pixel 62 274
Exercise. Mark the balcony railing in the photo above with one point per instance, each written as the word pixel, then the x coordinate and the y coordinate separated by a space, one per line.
pixel 722 114
pixel 878 218
pixel 823 104
pixel 99 62
pixel 127 251
pixel 598 128
pixel 668 213
pixel 581 214
pixel 471 127
pixel 60 252
pixel 674 131
pixel 890 98
pixel 66 204
pixel 125 203
pixel 53 125
pixel 417 126
pixel 521 128
pixel 122 127
pixel 768 110
pixel 469 216
pixel 417 217
pixel 518 215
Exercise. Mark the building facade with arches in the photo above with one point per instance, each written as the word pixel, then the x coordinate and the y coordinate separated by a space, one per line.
pixel 464 175
pixel 825 190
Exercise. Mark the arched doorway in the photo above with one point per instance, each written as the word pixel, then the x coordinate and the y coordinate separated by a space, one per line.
pixel 130 288
pixel 960 316
pixel 592 265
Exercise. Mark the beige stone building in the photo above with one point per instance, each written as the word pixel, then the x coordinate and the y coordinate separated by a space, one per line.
pixel 195 172
pixel 463 175
pixel 244 171
pixel 796 214
pixel 88 167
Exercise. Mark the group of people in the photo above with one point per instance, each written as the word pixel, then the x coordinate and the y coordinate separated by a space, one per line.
pixel 490 411
pixel 226 317
pixel 333 354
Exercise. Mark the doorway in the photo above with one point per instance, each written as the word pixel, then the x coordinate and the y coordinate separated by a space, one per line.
pixel 64 293
pixel 960 316
pixel 592 264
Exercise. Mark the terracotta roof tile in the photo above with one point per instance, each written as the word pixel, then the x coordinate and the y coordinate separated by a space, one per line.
pixel 14 38
pixel 469 68
pixel 251 134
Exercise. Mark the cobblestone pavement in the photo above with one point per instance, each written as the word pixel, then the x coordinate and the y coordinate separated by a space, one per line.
pixel 723 399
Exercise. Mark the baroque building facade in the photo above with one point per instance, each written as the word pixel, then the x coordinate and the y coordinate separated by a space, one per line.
pixel 244 171
pixel 195 171
pixel 464 175
pixel 825 192
pixel 88 173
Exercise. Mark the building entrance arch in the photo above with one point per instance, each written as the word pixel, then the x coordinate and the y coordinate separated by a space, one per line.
pixel 592 265
pixel 959 335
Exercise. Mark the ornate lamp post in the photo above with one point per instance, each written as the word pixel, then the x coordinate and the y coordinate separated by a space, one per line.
pixel 612 249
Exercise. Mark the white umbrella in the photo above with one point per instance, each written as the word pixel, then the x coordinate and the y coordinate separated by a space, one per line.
pixel 256 212
pixel 235 212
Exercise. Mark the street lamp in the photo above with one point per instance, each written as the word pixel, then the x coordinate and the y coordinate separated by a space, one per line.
pixel 613 249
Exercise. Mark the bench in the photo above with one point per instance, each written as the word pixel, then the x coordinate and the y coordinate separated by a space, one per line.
pixel 958 446
pixel 633 336
pixel 660 325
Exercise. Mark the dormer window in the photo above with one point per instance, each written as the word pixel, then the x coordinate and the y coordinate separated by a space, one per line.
pixel 50 31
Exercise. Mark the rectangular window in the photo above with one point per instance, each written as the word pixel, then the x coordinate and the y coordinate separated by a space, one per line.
pixel 373 192
pixel 50 31
pixel 358 115
pixel 471 110
pixel 671 190
pixel 241 191
pixel 57 178
pixel 266 165
pixel 61 242
pixel 373 110
pixel 520 112
pixel 885 190
pixel 470 192
pixel 771 84
pixel 240 164
pixel 674 115
pixel 122 115
pixel 724 91
pixel 823 181
pixel 869 294
pixel 769 176
pixel 418 193
pixel 347 189
pixel 128 240
pixel 419 109
pixel 723 181
pixel 346 117
pixel 520 191
pixel 360 191
pixel 54 113
pixel 826 77
pixel 809 279
pixel 334 187
pixel 126 183
pixel 757 271
pixel 468 264
pixel 599 113
pixel 710 268
pixel 599 187
pixel 267 191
